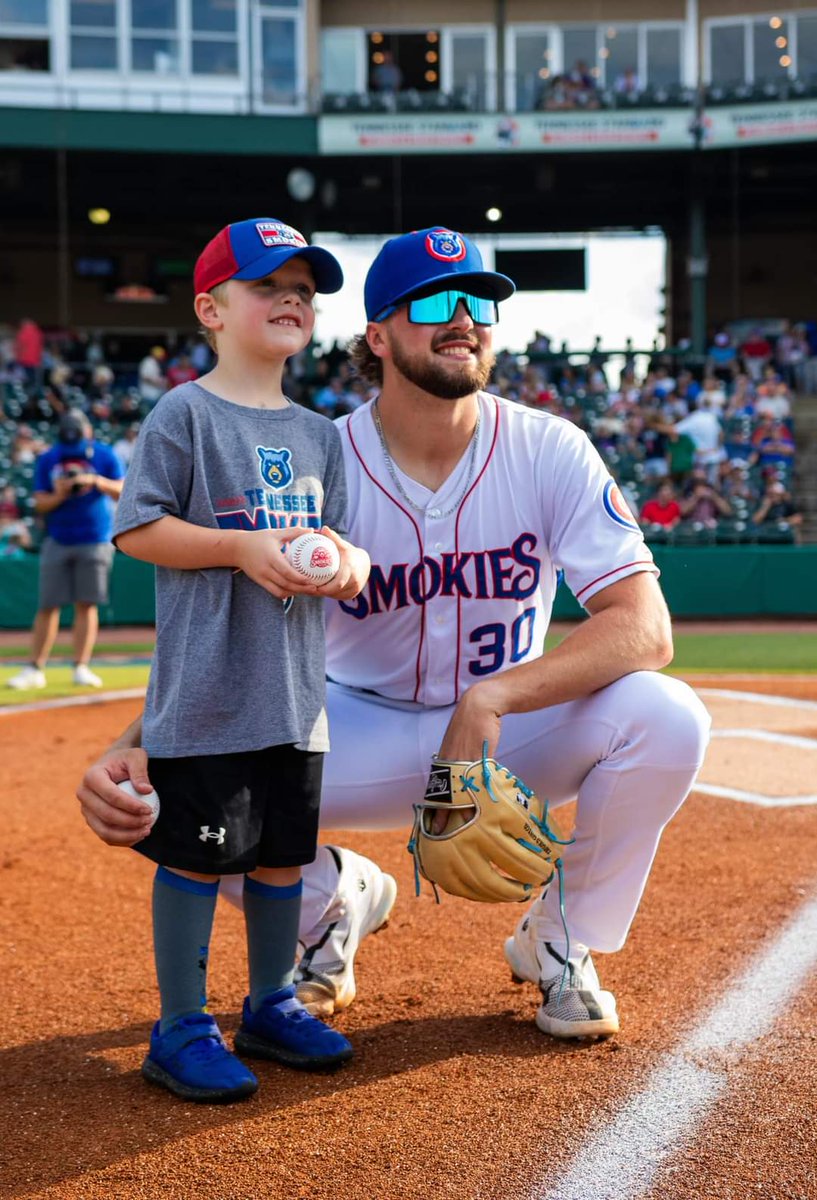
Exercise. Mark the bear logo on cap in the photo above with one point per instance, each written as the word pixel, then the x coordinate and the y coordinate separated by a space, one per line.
pixel 445 245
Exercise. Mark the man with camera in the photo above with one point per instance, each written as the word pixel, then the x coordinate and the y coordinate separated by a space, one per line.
pixel 76 483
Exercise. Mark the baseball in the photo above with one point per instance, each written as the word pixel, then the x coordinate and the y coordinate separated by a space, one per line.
pixel 151 798
pixel 315 556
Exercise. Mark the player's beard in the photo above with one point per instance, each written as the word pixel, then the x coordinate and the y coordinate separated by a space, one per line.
pixel 441 381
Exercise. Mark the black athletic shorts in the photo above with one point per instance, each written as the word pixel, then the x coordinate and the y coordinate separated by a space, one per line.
pixel 224 814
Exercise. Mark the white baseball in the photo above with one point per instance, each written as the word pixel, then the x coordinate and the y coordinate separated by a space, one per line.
pixel 315 556
pixel 151 798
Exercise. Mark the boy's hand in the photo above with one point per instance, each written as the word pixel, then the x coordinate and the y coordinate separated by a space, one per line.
pixel 112 814
pixel 260 556
pixel 351 574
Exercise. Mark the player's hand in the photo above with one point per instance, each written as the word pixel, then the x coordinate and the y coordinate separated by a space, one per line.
pixel 260 556
pixel 114 816
pixel 475 720
pixel 352 573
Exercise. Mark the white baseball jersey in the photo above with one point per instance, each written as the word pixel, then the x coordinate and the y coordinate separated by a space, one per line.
pixel 469 587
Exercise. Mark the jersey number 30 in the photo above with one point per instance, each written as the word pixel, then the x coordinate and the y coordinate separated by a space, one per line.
pixel 493 642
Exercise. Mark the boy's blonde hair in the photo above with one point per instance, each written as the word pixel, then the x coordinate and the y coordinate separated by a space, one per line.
pixel 219 294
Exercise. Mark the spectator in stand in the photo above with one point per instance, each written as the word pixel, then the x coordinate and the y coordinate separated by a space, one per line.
pixel 152 379
pixel 26 446
pixel 628 84
pixel 539 343
pixel 736 484
pixel 712 395
pixel 680 454
pixel 790 351
pixel 702 503
pixel 704 428
pixel 805 371
pixel 181 370
pixel 663 509
pixel 126 409
pixel 201 356
pixel 331 400
pixel 741 402
pixel 777 508
pixel 29 346
pixel 558 95
pixel 387 78
pixel 15 540
pixel 581 75
pixel 125 446
pixel 773 445
pixel 756 353
pixel 655 443
pixel 9 508
pixel 722 357
pixel 775 404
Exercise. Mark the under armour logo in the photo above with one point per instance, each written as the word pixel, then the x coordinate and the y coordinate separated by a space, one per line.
pixel 216 834
pixel 361 884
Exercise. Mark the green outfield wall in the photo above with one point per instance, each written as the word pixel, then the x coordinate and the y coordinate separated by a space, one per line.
pixel 705 581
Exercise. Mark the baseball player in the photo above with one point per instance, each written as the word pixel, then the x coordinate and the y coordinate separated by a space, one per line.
pixel 469 505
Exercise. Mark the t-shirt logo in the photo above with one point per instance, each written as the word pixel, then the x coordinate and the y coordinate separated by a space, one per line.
pixel 445 245
pixel 275 233
pixel 276 468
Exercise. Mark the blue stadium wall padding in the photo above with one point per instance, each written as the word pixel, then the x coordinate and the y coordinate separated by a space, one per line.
pixel 704 581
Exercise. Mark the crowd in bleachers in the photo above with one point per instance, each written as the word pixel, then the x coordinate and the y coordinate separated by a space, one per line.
pixel 702 456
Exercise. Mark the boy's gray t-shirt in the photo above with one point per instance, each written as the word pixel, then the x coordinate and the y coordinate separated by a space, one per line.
pixel 232 671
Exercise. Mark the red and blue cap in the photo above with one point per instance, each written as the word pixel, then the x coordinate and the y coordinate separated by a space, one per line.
pixel 254 248
pixel 414 261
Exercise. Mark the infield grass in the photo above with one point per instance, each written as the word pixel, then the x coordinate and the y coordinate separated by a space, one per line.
pixel 773 653
pixel 114 678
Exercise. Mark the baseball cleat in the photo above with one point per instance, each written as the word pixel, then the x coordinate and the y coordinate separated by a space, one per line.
pixel 573 1002
pixel 285 1032
pixel 363 900
pixel 191 1060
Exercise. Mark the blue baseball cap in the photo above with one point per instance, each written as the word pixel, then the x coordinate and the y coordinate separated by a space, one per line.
pixel 428 256
pixel 254 248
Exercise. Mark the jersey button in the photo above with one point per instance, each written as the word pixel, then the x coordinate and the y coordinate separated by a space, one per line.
pixel 433 513
pixel 438 545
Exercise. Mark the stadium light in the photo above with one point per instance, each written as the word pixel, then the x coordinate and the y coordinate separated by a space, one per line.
pixel 494 214
pixel 99 216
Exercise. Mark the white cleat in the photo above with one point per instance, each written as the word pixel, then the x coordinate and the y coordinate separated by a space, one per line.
pixel 85 677
pixel 573 1002
pixel 364 898
pixel 30 677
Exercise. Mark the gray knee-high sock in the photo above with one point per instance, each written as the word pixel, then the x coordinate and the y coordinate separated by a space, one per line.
pixel 271 914
pixel 183 912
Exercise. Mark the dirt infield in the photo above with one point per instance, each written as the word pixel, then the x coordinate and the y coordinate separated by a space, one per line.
pixel 453 1091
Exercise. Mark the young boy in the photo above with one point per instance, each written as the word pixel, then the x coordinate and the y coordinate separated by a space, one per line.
pixel 226 472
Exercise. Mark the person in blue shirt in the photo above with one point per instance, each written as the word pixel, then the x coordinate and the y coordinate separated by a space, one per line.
pixel 76 483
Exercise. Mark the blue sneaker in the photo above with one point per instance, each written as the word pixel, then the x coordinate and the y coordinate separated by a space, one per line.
pixel 283 1030
pixel 191 1059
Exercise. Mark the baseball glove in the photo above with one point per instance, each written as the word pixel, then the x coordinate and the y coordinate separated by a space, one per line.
pixel 497 844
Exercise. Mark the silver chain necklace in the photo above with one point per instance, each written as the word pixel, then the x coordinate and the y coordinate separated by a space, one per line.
pixel 433 513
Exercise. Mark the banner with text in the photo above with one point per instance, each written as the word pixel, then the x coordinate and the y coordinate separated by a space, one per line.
pixel 640 129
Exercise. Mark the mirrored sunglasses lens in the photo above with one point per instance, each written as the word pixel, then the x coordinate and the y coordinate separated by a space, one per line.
pixel 440 308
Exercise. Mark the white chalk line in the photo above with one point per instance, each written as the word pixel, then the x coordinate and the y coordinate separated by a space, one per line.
pixel 71 701
pixel 621 1160
pixel 758 698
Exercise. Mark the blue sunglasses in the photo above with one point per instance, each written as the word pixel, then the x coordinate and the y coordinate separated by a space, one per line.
pixel 439 309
